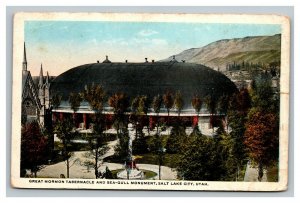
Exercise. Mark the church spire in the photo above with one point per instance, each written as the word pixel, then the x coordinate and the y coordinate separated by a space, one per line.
pixel 24 59
pixel 41 80
pixel 47 78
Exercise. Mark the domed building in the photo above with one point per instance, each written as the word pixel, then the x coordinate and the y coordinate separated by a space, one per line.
pixel 147 78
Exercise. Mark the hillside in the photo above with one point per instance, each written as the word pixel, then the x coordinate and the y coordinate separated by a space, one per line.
pixel 263 49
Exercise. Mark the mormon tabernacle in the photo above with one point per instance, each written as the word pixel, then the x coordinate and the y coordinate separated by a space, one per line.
pixel 148 78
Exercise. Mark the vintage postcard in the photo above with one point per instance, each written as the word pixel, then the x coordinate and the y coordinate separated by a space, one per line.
pixel 150 101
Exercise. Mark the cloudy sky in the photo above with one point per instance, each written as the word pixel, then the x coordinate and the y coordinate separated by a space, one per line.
pixel 61 45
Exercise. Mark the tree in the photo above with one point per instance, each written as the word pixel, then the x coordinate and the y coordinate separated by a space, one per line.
pixel 97 149
pixel 176 140
pixel 200 160
pixel 122 149
pixel 156 105
pixel 139 144
pixel 66 132
pixel 75 100
pixel 178 102
pixel 143 110
pixel 95 96
pixel 262 126
pixel 159 151
pixel 222 107
pixel 34 151
pixel 239 104
pixel 134 110
pixel 197 104
pixel 168 101
pixel 263 96
pixel 262 139
pixel 56 100
pixel 211 106
pixel 119 102
pixel 143 105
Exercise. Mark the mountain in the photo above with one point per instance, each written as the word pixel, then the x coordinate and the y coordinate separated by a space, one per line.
pixel 258 49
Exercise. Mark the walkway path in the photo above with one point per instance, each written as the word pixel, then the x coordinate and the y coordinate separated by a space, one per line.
pixel 251 174
pixel 78 170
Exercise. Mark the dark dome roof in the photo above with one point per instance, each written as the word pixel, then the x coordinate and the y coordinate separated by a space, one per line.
pixel 145 79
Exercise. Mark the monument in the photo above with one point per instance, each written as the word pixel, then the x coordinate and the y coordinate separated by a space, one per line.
pixel 131 171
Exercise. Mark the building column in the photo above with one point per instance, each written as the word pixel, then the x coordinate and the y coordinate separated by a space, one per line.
pixel 195 121
pixel 151 122
pixel 74 119
pixel 61 116
pixel 84 120
pixel 53 116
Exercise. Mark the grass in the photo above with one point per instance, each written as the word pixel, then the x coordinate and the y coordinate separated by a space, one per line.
pixel 170 160
pixel 272 173
pixel 147 174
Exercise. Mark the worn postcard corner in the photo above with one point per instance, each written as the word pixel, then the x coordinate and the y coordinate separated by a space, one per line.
pixel 150 101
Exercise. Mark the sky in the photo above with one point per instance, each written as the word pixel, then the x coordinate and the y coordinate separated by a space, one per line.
pixel 62 45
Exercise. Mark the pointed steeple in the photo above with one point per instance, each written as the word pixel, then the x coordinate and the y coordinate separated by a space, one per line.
pixel 47 83
pixel 24 59
pixel 47 78
pixel 41 79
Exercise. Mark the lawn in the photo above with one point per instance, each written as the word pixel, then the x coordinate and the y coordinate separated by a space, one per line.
pixel 272 173
pixel 170 160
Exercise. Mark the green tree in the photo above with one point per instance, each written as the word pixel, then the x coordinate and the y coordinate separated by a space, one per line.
pixel 200 160
pixel 263 96
pixel 56 100
pixel 168 102
pixel 134 110
pixel 95 96
pixel 143 110
pixel 197 104
pixel 66 132
pixel 211 107
pixel 119 102
pixel 139 144
pixel 156 105
pixel 178 102
pixel 159 151
pixel 239 105
pixel 158 147
pixel 222 106
pixel 34 151
pixel 176 140
pixel 121 149
pixel 143 105
pixel 75 100
pixel 262 126
pixel 226 151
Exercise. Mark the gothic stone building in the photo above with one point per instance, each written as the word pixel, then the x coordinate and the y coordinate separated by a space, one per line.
pixel 35 98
